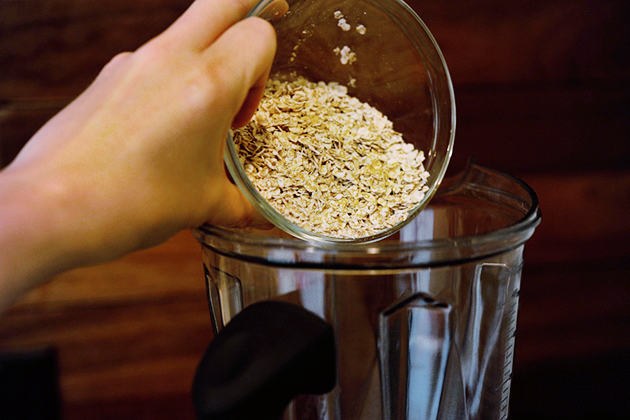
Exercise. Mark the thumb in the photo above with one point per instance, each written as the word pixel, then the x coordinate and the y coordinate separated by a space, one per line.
pixel 233 209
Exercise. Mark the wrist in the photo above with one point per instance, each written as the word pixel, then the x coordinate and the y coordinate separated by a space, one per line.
pixel 37 236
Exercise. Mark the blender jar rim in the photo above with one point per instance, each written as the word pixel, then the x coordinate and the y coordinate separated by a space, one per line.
pixel 236 242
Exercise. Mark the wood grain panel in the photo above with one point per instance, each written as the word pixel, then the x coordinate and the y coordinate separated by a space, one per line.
pixel 542 91
pixel 502 41
pixel 571 311
pixel 585 218
pixel 544 129
pixel 57 47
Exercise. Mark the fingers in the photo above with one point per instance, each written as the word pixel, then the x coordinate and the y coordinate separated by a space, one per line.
pixel 241 57
pixel 236 54
pixel 206 20
pixel 250 105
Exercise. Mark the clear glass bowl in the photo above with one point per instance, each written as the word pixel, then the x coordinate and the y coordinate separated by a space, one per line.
pixel 399 70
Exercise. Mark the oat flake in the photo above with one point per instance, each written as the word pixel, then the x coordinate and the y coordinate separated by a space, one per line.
pixel 328 162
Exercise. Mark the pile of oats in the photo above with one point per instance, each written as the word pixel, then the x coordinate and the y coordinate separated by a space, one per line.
pixel 328 162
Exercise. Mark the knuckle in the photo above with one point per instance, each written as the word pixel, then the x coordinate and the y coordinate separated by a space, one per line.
pixel 115 63
pixel 206 91
pixel 258 31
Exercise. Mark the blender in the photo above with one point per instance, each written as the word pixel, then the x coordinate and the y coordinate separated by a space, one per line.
pixel 419 325
pixel 417 322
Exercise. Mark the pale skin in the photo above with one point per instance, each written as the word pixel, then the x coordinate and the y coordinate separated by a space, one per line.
pixel 138 156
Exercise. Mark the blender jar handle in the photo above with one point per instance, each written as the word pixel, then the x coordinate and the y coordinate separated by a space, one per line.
pixel 414 342
pixel 268 354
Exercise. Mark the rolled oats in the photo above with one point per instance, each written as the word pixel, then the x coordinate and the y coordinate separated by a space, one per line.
pixel 345 26
pixel 347 56
pixel 328 162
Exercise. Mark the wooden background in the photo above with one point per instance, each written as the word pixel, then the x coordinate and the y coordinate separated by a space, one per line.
pixel 542 89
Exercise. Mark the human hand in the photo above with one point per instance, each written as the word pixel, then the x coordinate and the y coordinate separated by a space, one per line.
pixel 139 155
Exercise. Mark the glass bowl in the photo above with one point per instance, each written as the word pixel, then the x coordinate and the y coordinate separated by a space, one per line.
pixel 399 70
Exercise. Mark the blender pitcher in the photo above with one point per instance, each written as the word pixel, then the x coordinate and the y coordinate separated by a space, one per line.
pixel 419 325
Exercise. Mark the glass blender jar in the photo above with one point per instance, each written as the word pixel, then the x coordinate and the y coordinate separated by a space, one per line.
pixel 422 322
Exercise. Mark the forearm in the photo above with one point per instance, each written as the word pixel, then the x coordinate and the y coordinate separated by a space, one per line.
pixel 138 156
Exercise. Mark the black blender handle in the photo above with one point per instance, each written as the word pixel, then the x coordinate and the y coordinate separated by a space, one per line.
pixel 268 354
